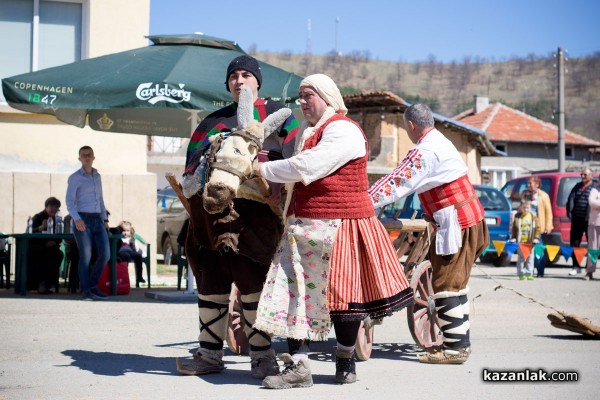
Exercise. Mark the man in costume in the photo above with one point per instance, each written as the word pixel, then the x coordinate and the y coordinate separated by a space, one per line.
pixel 436 171
pixel 256 230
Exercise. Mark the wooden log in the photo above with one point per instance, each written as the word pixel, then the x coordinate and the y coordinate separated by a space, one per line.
pixel 406 225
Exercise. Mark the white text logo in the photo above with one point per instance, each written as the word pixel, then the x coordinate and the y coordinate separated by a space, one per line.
pixel 155 93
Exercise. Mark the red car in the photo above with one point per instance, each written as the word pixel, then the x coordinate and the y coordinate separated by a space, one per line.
pixel 558 185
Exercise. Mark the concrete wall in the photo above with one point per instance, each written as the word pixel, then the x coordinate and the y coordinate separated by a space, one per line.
pixel 117 25
pixel 38 153
pixel 24 194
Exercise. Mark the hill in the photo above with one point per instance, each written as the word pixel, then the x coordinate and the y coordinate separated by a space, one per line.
pixel 527 84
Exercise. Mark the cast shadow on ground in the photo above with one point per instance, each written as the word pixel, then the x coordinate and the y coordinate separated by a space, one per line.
pixel 569 337
pixel 323 351
pixel 115 364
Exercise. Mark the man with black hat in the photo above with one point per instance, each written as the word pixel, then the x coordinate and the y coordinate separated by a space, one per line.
pixel 214 268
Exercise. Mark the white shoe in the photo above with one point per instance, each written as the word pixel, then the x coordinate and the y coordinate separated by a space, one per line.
pixel 574 271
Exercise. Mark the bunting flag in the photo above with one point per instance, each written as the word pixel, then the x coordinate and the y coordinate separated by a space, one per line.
pixel 538 250
pixel 499 245
pixel 511 247
pixel 490 247
pixel 579 253
pixel 525 249
pixel 566 252
pixel 552 252
pixel 593 255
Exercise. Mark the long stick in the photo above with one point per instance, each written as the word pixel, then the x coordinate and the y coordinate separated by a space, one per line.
pixel 177 189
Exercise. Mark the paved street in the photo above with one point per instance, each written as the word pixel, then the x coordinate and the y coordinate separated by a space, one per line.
pixel 57 347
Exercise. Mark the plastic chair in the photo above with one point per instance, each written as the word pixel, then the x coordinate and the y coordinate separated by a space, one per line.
pixel 145 260
pixel 182 263
pixel 5 261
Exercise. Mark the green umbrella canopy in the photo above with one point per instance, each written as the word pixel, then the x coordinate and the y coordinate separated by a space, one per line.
pixel 162 89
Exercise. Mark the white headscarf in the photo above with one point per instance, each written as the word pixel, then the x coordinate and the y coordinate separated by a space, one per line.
pixel 328 90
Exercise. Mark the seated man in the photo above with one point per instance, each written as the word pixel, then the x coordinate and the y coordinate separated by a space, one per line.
pixel 45 256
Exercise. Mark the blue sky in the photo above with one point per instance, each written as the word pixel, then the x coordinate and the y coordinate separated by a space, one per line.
pixel 396 30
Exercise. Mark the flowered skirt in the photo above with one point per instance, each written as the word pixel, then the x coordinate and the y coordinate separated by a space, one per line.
pixel 328 270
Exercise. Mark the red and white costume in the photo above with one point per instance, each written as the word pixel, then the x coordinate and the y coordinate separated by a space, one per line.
pixel 435 170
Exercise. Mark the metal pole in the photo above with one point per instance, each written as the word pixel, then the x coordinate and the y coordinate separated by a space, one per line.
pixel 337 22
pixel 561 111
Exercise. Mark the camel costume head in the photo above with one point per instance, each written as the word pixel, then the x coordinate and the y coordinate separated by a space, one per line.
pixel 232 157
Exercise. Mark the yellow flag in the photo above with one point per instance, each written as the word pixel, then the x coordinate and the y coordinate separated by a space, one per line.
pixel 552 251
pixel 499 245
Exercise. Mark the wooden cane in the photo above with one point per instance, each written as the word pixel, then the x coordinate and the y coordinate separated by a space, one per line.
pixel 178 191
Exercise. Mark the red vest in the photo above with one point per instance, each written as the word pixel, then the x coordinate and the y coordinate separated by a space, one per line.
pixel 455 192
pixel 343 194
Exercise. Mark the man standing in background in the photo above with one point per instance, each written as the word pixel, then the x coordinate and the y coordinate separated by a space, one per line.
pixel 578 212
pixel 90 219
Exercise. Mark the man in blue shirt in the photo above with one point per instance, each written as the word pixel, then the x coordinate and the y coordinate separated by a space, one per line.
pixel 90 219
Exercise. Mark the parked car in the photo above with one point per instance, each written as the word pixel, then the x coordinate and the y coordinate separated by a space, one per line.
pixel 170 217
pixel 558 185
pixel 497 216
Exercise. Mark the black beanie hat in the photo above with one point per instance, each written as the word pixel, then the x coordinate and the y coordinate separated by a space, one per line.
pixel 246 63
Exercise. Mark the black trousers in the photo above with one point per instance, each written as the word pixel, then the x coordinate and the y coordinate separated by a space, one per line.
pixel 579 226
pixel 43 266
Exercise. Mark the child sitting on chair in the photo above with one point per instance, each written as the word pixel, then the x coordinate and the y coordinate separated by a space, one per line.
pixel 131 250
pixel 525 229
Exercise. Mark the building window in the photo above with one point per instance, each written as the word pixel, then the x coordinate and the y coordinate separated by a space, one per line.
pixel 501 147
pixel 38 34
pixel 569 152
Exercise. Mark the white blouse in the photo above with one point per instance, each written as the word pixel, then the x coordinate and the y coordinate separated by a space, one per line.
pixel 341 142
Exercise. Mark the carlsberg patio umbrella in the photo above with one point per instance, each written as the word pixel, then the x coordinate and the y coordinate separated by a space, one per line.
pixel 163 89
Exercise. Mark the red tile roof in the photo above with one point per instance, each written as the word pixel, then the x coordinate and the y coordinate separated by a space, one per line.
pixel 505 124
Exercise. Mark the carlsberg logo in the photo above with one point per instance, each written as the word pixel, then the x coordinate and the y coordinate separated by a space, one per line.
pixel 154 93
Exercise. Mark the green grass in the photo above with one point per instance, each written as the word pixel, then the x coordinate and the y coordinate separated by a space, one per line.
pixel 162 269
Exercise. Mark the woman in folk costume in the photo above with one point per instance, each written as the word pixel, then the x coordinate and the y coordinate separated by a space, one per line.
pixel 335 263
pixel 436 171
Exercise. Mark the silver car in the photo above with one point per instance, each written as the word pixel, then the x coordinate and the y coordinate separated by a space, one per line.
pixel 170 218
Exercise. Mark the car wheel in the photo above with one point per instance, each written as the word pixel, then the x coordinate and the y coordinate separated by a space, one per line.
pixel 502 261
pixel 492 258
pixel 168 255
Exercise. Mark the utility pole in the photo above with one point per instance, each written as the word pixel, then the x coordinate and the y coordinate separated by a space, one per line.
pixel 308 38
pixel 561 111
pixel 337 49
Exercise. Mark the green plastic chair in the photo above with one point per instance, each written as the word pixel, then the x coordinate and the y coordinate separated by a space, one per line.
pixel 182 263
pixel 5 260
pixel 145 260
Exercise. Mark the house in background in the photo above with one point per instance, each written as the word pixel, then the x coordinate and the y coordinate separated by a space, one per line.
pixel 38 152
pixel 380 114
pixel 530 144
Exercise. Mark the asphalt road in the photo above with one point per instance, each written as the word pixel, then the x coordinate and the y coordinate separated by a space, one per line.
pixel 57 347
